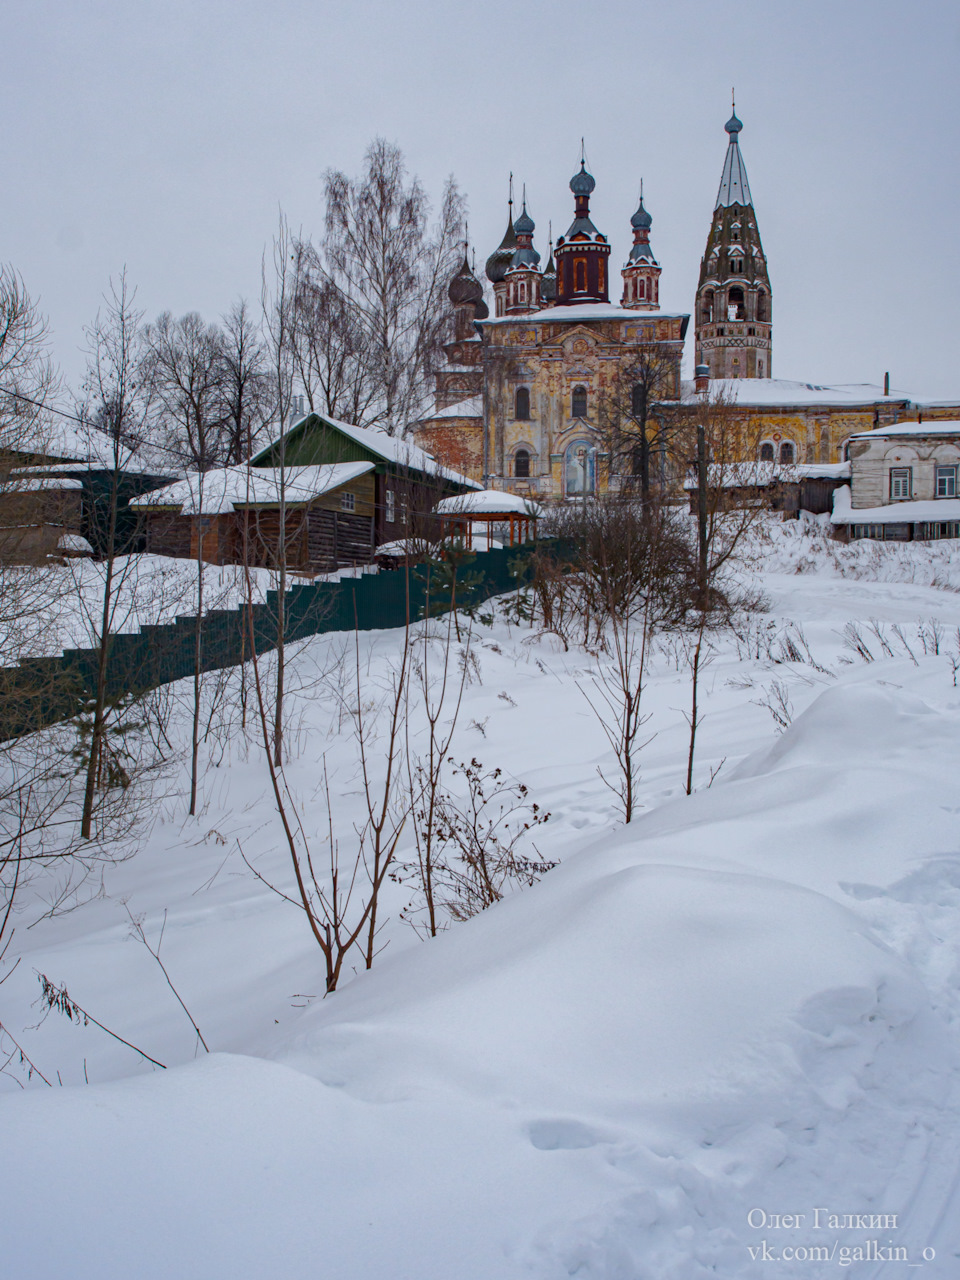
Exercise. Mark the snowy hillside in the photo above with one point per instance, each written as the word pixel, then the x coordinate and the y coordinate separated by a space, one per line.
pixel 720 1041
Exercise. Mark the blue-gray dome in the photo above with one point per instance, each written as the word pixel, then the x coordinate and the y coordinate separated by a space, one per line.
pixel 641 220
pixel 582 183
pixel 524 225
pixel 733 126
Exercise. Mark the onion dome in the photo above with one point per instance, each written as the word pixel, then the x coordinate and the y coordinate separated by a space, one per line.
pixel 481 310
pixel 582 183
pixel 465 287
pixel 524 225
pixel 733 127
pixel 641 223
pixel 502 256
pixel 525 255
pixel 641 220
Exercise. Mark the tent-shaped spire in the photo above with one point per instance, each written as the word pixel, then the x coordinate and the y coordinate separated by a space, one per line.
pixel 734 187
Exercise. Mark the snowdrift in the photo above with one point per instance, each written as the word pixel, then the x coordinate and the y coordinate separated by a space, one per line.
pixel 733 1003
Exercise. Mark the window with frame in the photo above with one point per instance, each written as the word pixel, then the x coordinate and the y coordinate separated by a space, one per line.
pixel 348 502
pixel 391 505
pixel 946 482
pixel 638 399
pixel 579 404
pixel 901 483
pixel 788 454
pixel 579 275
pixel 522 404
pixel 766 452
pixel 521 464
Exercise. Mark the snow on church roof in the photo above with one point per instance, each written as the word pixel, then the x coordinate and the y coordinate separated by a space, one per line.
pixel 586 311
pixel 472 407
pixel 761 392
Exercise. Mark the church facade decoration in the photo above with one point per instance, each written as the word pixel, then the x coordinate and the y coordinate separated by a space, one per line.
pixel 547 369
pixel 525 397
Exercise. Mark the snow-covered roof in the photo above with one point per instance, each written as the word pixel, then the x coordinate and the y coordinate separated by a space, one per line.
pixel 488 502
pixel 820 471
pixel 472 407
pixel 586 311
pixel 222 490
pixel 40 484
pixel 734 475
pixel 943 427
pixel 763 392
pixel 74 542
pixel 395 449
pixel 892 513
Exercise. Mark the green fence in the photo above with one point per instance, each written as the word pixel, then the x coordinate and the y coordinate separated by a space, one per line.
pixel 42 691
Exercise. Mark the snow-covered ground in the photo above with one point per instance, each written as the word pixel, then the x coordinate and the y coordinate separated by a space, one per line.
pixel 66 600
pixel 721 1041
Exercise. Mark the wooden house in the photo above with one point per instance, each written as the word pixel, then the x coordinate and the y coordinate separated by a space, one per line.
pixel 314 518
pixel 407 482
pixel 36 513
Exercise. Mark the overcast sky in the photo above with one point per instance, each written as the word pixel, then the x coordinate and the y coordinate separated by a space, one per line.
pixel 167 136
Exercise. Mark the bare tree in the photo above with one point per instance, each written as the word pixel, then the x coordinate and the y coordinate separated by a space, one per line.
pixel 329 345
pixel 636 415
pixel 117 409
pixel 278 291
pixel 727 508
pixel 245 384
pixel 187 371
pixel 186 356
pixel 392 269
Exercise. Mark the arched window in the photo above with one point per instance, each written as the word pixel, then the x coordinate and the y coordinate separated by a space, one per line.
pixel 580 275
pixel 523 404
pixel 523 290
pixel 638 399
pixel 579 406
pixel 641 288
pixel 600 283
pixel 735 304
pixel 766 452
pixel 521 464
pixel 787 454
pixel 706 310
pixel 762 305
pixel 500 305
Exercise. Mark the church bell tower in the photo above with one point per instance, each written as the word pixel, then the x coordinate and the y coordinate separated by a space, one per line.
pixel 733 312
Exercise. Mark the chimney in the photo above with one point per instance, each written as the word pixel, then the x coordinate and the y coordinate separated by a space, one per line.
pixel 886 384
pixel 701 378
